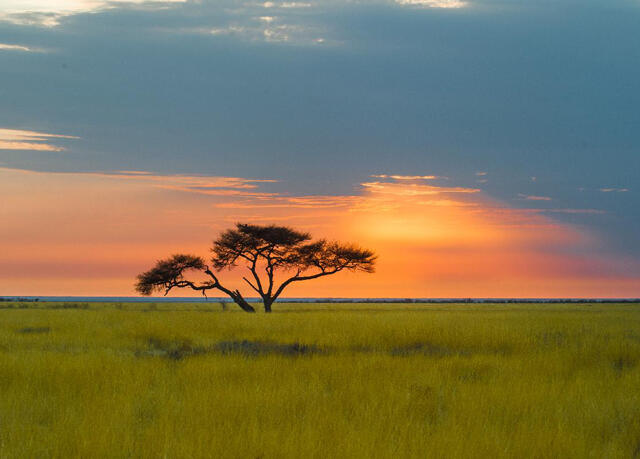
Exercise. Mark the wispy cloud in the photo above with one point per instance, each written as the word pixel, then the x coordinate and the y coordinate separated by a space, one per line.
pixel 409 185
pixel 276 201
pixel 9 47
pixel 413 189
pixel 15 139
pixel 49 13
pixel 286 5
pixel 529 197
pixel 247 20
pixel 291 22
pixel 266 28
pixel 613 190
pixel 434 3
pixel 196 182
pixel 199 184
pixel 408 177
pixel 575 211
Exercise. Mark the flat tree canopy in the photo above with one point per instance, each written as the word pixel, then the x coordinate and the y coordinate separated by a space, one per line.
pixel 263 250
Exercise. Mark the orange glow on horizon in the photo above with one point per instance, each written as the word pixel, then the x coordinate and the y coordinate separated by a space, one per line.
pixel 91 234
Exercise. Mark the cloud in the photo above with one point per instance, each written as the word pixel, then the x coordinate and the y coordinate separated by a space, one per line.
pixel 613 190
pixel 8 47
pixel 575 211
pixel 270 29
pixel 15 139
pixel 273 22
pixel 481 174
pixel 49 13
pixel 413 189
pixel 199 184
pixel 528 197
pixel 276 201
pixel 286 5
pixel 281 32
pixel 190 182
pixel 408 177
pixel 433 3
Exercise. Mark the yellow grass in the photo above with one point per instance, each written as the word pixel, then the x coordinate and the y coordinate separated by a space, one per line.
pixel 177 380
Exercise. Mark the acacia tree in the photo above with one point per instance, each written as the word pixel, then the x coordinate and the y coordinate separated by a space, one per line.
pixel 265 251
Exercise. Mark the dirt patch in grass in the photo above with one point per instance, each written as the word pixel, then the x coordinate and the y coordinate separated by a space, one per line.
pixel 28 330
pixel 428 349
pixel 623 363
pixel 180 349
pixel 255 348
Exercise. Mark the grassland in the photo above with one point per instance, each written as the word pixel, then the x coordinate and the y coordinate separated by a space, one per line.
pixel 316 381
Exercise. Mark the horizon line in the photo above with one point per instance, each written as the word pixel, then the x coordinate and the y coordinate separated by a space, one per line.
pixel 140 299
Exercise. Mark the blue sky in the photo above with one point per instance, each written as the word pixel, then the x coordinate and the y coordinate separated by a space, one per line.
pixel 535 103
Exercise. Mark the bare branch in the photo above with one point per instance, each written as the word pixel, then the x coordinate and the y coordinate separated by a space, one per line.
pixel 252 286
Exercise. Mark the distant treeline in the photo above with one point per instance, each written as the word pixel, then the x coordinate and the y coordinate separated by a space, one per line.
pixel 21 300
pixel 327 300
pixel 471 300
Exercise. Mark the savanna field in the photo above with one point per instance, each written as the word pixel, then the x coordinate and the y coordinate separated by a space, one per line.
pixel 319 380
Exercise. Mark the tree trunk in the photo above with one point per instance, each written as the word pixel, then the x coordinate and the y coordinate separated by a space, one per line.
pixel 267 305
pixel 240 301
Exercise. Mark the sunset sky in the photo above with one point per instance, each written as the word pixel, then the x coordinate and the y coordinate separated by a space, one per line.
pixel 483 148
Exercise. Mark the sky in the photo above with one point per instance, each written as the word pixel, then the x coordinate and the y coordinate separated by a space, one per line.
pixel 483 148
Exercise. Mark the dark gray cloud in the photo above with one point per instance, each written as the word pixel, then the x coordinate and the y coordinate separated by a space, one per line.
pixel 322 95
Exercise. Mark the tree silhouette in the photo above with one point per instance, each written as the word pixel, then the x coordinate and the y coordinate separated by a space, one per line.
pixel 264 250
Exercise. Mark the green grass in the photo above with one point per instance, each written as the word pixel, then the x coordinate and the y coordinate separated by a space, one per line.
pixel 317 381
